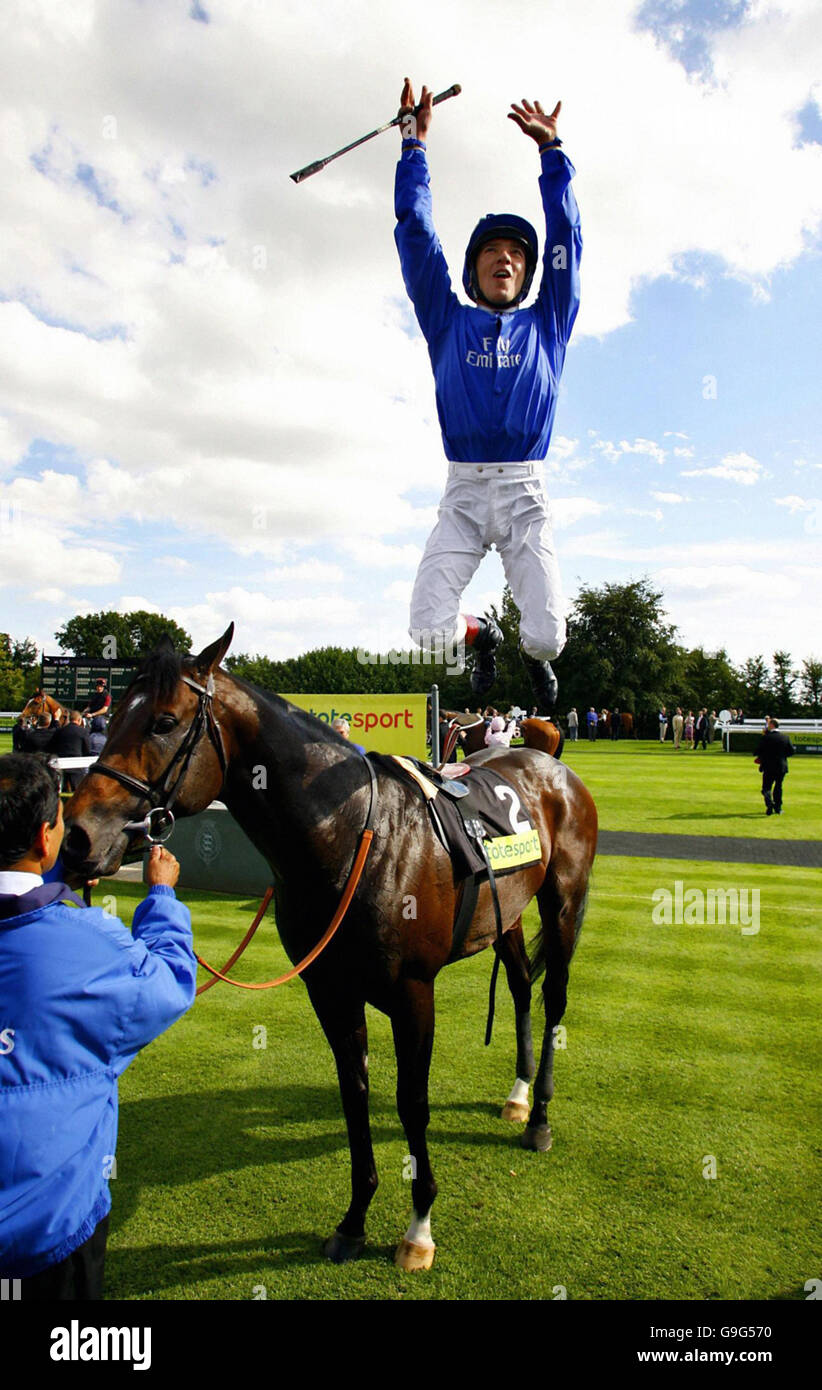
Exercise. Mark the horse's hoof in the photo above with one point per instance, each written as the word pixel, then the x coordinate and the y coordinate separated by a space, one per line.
pixel 538 1138
pixel 515 1111
pixel 340 1248
pixel 409 1255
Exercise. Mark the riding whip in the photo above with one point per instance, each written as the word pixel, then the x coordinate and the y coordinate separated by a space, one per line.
pixel 321 163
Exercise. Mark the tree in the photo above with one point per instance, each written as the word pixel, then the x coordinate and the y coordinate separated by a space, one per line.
pixel 709 679
pixel 19 671
pixel 620 651
pixel 812 684
pixel 25 654
pixel 343 671
pixel 784 680
pixel 755 689
pixel 115 636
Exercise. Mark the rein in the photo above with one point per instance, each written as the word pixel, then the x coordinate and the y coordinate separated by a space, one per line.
pixel 354 875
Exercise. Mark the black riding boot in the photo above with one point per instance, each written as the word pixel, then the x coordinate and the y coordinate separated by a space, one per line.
pixel 543 681
pixel 485 645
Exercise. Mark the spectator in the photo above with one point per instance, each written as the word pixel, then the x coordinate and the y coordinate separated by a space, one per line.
pixel 39 738
pixel 614 725
pixel 592 721
pixel 677 723
pixel 702 730
pixel 663 725
pixel 18 735
pixel 343 728
pixel 689 728
pixel 79 997
pixel 497 734
pixel 573 725
pixel 772 753
pixel 712 717
pixel 97 735
pixel 72 741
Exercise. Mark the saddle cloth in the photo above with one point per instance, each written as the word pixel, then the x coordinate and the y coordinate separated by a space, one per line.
pixel 510 836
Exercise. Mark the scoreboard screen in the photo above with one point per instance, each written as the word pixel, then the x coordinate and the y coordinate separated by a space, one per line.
pixel 70 680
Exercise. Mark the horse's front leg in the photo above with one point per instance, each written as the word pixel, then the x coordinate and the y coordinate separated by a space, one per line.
pixel 412 1019
pixel 348 1037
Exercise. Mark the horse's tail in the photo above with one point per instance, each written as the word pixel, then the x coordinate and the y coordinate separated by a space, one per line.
pixel 551 938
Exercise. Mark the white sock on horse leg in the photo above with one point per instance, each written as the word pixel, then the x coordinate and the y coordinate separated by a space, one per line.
pixel 419 1232
pixel 519 1093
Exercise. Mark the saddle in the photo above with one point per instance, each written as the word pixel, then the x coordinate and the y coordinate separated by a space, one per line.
pixel 479 818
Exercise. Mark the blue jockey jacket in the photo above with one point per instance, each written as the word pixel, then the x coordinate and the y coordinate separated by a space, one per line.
pixel 496 373
pixel 79 996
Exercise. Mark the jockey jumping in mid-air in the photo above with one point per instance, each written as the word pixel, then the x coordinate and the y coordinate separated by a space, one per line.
pixel 497 370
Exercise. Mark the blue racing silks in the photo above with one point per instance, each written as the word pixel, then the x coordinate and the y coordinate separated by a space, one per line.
pixel 496 373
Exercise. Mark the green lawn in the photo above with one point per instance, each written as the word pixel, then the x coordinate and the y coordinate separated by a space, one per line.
pixel 690 1049
pixel 684 1045
pixel 650 787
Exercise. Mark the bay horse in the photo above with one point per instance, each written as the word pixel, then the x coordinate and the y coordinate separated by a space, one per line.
pixel 187 732
pixel 39 704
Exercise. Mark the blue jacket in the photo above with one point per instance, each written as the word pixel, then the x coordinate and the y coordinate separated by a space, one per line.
pixel 79 996
pixel 497 374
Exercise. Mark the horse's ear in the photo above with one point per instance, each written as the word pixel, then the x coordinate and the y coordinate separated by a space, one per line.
pixel 165 644
pixel 210 657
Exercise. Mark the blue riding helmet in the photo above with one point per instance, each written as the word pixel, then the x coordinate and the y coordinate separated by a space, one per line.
pixel 501 224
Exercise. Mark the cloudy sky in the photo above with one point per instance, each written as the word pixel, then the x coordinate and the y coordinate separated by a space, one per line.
pixel 214 399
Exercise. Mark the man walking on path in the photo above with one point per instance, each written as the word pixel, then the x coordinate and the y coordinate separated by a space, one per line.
pixel 496 369
pixel 772 753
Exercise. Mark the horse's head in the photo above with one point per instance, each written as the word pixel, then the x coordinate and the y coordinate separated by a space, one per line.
pixel 33 707
pixel 165 751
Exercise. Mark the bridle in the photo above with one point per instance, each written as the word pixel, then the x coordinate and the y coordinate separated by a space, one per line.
pixel 163 797
pixel 163 792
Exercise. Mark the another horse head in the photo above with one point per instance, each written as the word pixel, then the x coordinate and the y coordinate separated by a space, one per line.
pixel 164 748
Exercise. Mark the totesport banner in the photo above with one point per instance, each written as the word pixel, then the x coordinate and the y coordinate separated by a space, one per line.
pixel 381 723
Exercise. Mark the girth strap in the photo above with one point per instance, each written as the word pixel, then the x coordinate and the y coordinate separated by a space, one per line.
pixel 468 904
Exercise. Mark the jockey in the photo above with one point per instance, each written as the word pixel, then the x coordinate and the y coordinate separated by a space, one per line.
pixel 496 369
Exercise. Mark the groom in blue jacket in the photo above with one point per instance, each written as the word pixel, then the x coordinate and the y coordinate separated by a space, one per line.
pixel 79 996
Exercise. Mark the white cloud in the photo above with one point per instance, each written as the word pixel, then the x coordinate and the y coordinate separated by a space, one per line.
pixel 567 511
pixel 734 468
pixel 672 498
pixel 399 592
pixel 375 554
pixel 311 571
pixel 796 504
pixel 644 446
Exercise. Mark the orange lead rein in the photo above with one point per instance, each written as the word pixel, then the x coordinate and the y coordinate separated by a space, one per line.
pixel 348 893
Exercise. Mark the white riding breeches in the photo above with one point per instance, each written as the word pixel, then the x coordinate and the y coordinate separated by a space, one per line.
pixel 485 504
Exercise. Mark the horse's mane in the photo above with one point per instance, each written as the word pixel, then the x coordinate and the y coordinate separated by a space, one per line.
pixel 307 721
pixel 160 672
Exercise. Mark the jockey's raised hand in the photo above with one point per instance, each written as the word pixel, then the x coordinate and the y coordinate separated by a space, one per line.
pixel 415 126
pixel 532 119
